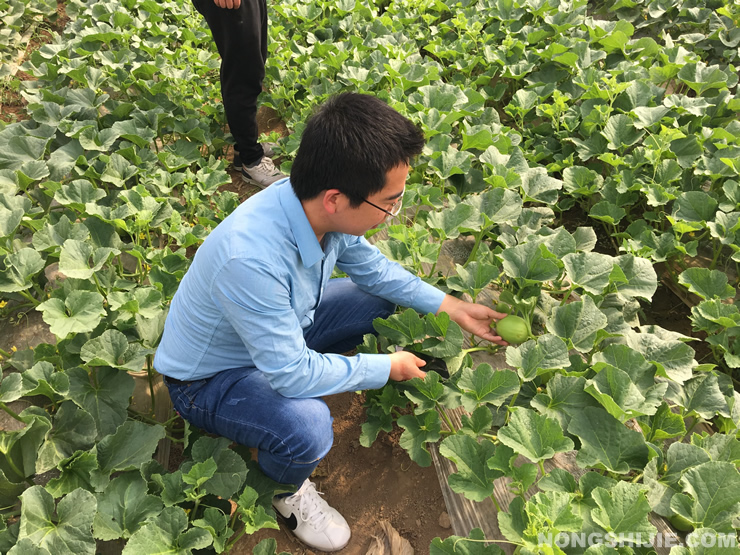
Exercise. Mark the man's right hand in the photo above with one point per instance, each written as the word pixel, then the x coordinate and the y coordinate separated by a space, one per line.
pixel 228 4
pixel 405 366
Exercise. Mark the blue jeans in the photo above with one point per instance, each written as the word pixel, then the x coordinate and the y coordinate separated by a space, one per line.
pixel 291 435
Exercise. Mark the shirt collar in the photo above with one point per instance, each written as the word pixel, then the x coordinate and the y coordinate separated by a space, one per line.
pixel 304 235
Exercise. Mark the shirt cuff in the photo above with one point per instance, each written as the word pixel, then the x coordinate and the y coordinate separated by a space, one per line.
pixel 378 370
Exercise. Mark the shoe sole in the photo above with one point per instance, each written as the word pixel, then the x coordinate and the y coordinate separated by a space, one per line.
pixel 250 181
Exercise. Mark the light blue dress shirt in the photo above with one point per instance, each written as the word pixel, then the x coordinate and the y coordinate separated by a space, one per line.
pixel 253 287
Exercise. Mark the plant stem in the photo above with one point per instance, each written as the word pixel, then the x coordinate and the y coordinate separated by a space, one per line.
pixel 446 417
pixel 541 464
pixel 29 297
pixel 474 251
pixel 495 503
pixel 474 349
pixel 233 540
pixel 717 252
pixel 11 412
pixel 691 428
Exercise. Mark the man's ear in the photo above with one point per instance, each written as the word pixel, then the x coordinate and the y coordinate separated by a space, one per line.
pixel 333 199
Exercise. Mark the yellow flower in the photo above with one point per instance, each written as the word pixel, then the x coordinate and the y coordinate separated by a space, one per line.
pixel 3 304
pixel 14 348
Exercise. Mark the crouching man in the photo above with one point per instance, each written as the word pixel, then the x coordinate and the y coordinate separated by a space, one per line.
pixel 255 331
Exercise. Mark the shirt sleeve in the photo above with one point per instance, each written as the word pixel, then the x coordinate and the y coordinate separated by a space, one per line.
pixel 374 273
pixel 264 318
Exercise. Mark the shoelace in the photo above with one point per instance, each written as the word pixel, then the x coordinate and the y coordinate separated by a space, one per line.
pixel 265 165
pixel 312 506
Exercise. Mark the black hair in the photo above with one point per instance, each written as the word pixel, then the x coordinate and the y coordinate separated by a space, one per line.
pixel 350 144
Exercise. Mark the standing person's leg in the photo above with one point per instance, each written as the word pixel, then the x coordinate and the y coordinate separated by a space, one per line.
pixel 240 35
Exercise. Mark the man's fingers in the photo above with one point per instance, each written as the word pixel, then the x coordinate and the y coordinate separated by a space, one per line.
pixel 228 4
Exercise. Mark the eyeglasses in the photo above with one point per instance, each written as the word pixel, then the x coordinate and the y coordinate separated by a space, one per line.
pixel 395 207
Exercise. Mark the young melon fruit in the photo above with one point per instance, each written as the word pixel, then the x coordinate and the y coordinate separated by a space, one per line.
pixel 513 329
pixel 681 524
pixel 503 307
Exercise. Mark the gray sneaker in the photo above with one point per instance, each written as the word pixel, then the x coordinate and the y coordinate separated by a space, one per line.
pixel 261 174
pixel 267 149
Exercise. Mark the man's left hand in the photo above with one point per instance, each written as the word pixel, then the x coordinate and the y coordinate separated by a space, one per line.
pixel 474 318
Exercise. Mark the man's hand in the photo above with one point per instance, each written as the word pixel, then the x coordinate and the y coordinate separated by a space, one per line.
pixel 405 366
pixel 228 4
pixel 473 318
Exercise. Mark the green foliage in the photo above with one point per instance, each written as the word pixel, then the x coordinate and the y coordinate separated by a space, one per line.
pixel 625 111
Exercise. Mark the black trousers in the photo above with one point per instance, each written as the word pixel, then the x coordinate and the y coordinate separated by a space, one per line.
pixel 241 38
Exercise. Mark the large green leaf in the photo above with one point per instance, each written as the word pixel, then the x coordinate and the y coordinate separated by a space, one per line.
pixel 12 210
pixel 132 445
pixel 64 529
pixel 73 430
pixel 473 479
pixel 621 132
pixel 76 194
pixel 401 329
pixel 486 385
pixel 231 469
pixel 533 435
pixel 473 278
pixel 20 268
pixel 675 359
pixel 606 443
pixel 687 150
pixel 623 509
pixel 694 206
pixel 564 398
pixel 701 78
pixel 43 379
pixel 528 261
pixel 166 533
pixel 581 181
pixel 449 220
pixel 19 149
pixel 641 279
pixel 217 524
pixel 623 399
pixel 79 312
pixel 496 205
pixel 78 471
pixel 589 270
pixel 706 283
pixel 81 260
pixel 112 348
pixel 577 323
pixel 546 352
pixel 537 186
pixel 713 499
pixel 418 431
pixel 106 398
pixel 124 507
pixel 51 237
pixel 700 395
pixel 20 449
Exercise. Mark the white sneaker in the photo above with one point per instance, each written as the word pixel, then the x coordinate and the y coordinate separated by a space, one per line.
pixel 262 174
pixel 312 520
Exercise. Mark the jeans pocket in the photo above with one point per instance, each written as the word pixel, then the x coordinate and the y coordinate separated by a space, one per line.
pixel 183 396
